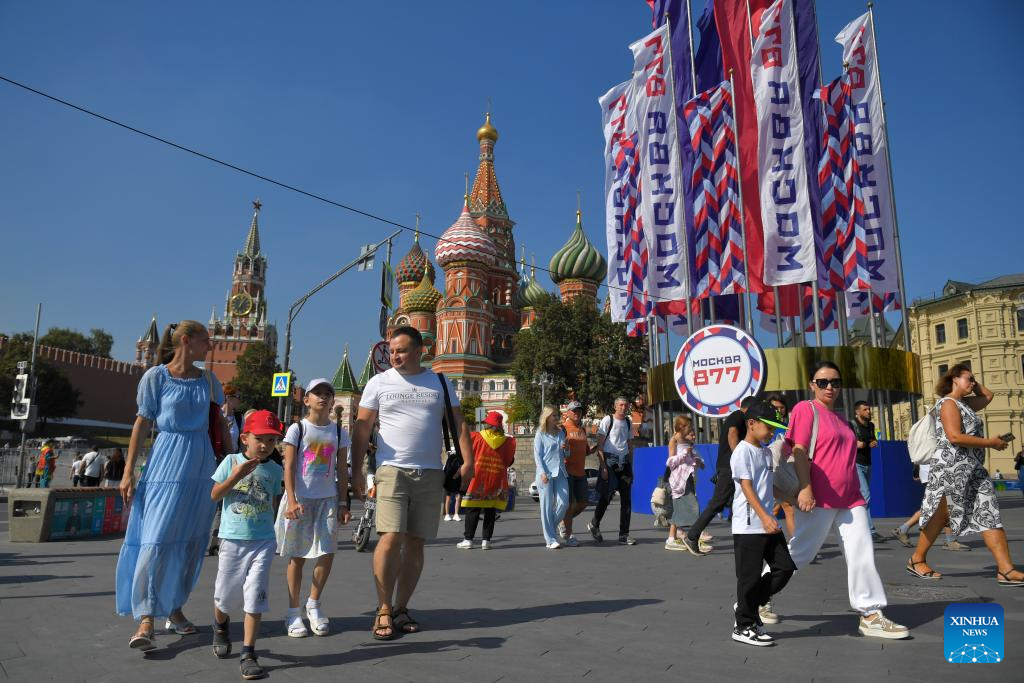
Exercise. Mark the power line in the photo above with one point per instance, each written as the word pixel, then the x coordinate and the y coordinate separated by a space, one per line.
pixel 254 174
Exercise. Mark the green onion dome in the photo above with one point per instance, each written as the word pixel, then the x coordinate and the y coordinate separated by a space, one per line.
pixel 414 265
pixel 578 259
pixel 423 299
pixel 532 293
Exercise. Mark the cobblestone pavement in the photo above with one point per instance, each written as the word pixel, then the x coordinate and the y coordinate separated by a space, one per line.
pixel 518 612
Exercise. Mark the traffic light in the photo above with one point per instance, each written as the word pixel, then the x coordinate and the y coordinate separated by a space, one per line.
pixel 20 405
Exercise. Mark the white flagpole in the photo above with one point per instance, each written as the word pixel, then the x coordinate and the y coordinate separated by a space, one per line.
pixel 778 315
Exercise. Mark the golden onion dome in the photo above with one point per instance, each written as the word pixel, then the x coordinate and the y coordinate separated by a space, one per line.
pixel 487 131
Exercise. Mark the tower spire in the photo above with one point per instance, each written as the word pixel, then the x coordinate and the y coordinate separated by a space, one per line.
pixel 252 241
pixel 416 236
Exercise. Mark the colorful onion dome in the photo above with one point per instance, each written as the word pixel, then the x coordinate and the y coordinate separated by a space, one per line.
pixel 423 299
pixel 487 131
pixel 532 294
pixel 578 259
pixel 414 265
pixel 465 241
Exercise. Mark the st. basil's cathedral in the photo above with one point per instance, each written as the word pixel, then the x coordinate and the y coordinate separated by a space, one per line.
pixel 468 329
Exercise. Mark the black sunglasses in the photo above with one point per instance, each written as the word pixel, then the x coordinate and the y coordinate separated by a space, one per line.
pixel 823 383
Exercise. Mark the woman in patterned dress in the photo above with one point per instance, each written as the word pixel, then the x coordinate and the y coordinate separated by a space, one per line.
pixel 958 485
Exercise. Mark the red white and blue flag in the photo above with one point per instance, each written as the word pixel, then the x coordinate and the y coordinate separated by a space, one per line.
pixel 871 179
pixel 719 266
pixel 789 240
pixel 661 206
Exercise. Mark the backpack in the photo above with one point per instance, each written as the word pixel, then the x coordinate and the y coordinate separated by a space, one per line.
pixel 922 442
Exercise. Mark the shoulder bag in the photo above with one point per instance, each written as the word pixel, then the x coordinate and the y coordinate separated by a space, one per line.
pixel 787 483
pixel 214 424
pixel 453 464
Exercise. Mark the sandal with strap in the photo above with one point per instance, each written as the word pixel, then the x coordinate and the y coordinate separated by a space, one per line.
pixel 221 641
pixel 182 628
pixel 404 622
pixel 911 569
pixel 1005 580
pixel 383 631
pixel 143 638
pixel 251 669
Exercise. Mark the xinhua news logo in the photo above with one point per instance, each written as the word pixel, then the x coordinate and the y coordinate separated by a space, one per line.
pixel 973 633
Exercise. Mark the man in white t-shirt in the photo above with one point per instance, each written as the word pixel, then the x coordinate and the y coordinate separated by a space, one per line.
pixel 615 453
pixel 409 402
pixel 92 468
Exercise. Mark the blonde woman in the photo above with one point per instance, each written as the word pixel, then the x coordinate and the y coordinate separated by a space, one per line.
pixel 169 524
pixel 552 481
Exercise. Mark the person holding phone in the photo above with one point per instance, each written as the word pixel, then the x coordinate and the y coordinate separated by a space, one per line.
pixel 958 484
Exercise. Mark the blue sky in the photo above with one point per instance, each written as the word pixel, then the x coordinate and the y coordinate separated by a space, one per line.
pixel 376 105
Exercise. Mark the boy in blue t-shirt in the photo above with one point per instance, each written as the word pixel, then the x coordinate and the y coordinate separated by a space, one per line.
pixel 248 484
pixel 757 539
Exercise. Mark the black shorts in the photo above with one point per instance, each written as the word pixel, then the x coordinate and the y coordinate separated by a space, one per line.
pixel 578 489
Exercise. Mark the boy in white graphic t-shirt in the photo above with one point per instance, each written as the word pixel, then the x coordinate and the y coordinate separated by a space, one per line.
pixel 757 538
pixel 314 501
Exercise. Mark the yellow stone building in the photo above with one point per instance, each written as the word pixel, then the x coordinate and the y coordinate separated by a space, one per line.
pixel 981 325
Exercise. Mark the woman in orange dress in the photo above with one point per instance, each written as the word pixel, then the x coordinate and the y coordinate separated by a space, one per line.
pixel 493 454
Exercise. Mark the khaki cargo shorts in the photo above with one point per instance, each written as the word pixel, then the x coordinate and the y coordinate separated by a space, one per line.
pixel 409 501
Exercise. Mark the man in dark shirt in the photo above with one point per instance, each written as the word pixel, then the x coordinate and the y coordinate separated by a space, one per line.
pixel 864 429
pixel 733 431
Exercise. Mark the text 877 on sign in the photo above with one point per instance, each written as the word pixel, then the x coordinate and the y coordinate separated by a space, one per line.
pixel 717 367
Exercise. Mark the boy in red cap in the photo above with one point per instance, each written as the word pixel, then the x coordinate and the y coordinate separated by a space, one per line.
pixel 248 484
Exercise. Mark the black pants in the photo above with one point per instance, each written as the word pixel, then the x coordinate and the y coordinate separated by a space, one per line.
pixel 620 480
pixel 753 588
pixel 725 489
pixel 473 517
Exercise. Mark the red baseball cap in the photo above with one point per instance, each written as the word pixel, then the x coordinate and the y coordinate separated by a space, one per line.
pixel 494 419
pixel 262 422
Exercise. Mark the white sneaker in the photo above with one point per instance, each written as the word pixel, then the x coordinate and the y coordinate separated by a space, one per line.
pixel 465 545
pixel 751 636
pixel 674 544
pixel 485 545
pixel 457 518
pixel 555 545
pixel 880 627
pixel 561 530
pixel 572 542
pixel 767 613
pixel 447 518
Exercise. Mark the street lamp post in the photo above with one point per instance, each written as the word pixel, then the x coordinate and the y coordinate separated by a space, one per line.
pixel 543 380
pixel 284 407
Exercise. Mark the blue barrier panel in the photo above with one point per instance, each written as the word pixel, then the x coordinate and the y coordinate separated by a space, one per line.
pixel 894 493
pixel 649 464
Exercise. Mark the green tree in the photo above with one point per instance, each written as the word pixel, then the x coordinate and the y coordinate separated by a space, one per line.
pixel 98 344
pixel 55 396
pixel 517 408
pixel 583 350
pixel 102 342
pixel 254 377
pixel 469 406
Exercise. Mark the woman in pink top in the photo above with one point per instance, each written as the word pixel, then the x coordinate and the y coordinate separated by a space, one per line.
pixel 830 499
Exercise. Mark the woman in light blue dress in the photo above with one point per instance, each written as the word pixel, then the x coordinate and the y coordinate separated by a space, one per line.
pixel 549 451
pixel 169 524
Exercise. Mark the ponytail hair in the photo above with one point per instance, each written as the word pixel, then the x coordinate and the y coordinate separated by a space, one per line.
pixel 171 339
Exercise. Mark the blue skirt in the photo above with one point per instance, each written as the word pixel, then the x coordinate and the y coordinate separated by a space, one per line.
pixel 168 526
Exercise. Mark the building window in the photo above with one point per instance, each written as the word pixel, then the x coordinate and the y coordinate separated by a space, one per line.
pixel 942 369
pixel 961 328
pixel 940 333
pixel 1020 319
pixel 967 363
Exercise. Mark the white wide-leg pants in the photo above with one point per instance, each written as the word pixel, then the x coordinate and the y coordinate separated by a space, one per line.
pixel 854 529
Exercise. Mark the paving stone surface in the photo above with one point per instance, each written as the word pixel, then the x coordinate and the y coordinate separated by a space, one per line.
pixel 518 612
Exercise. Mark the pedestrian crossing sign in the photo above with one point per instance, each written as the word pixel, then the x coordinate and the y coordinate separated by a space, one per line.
pixel 282 382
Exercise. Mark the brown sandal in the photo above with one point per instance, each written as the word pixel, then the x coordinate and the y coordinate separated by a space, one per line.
pixel 1003 578
pixel 378 627
pixel 404 622
pixel 912 569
